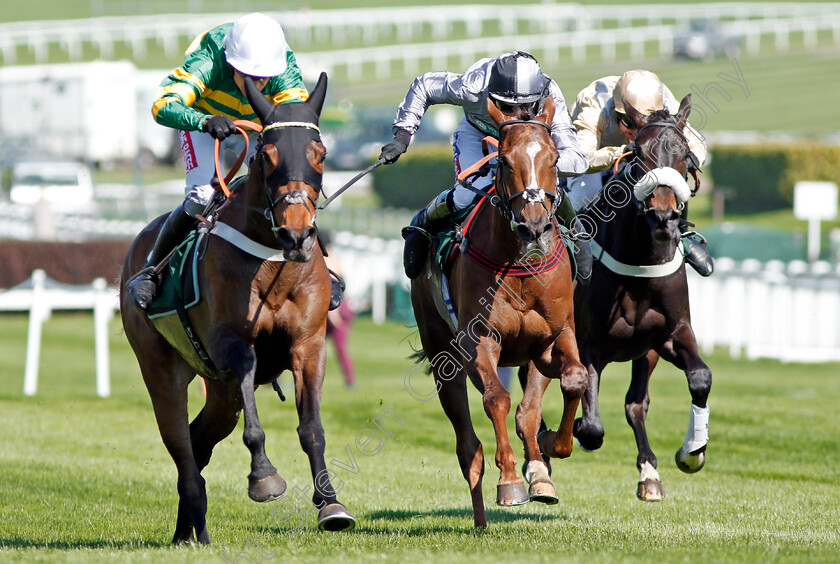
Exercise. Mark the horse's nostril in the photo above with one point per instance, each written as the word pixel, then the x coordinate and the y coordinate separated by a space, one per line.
pixel 524 233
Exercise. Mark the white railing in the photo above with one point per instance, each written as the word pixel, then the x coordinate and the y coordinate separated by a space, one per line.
pixel 789 312
pixel 40 296
pixel 397 26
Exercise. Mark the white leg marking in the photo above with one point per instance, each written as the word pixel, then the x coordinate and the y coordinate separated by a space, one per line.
pixel 648 473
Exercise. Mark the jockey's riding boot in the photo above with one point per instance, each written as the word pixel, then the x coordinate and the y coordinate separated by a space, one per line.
pixel 694 250
pixel 143 285
pixel 580 240
pixel 418 235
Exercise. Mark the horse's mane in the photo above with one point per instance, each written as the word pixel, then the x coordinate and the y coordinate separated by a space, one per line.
pixel 661 115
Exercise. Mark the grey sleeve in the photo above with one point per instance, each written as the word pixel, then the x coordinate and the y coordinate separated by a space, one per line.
pixel 572 161
pixel 439 87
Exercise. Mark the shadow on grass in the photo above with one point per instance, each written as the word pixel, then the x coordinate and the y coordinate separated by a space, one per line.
pixel 17 542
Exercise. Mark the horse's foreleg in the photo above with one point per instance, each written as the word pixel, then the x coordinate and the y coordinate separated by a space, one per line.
pixel 308 368
pixel 682 351
pixel 588 429
pixel 264 484
pixel 636 404
pixel 216 420
pixel 573 379
pixel 496 399
pixel 528 419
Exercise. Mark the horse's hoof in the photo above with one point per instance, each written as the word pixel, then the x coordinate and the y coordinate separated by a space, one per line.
pixel 511 494
pixel 266 489
pixel 650 490
pixel 690 463
pixel 542 491
pixel 335 517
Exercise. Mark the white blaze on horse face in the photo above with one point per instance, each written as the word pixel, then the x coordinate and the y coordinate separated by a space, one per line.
pixel 533 149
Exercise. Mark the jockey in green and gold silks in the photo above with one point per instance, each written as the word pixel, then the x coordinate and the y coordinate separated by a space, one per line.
pixel 201 99
pixel 204 86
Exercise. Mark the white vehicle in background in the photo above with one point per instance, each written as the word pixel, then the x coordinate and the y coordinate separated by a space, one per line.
pixel 64 184
pixel 82 111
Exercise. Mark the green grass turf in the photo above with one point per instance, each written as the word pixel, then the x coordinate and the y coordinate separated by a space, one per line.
pixel 85 479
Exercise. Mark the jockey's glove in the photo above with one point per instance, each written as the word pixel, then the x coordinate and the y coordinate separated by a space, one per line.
pixel 219 127
pixel 392 151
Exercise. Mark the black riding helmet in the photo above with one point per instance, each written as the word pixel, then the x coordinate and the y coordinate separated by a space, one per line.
pixel 516 79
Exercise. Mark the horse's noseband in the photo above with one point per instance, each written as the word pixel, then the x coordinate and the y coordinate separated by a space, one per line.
pixel 529 195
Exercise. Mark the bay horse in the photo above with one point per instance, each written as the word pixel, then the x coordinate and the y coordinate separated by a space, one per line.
pixel 508 313
pixel 263 310
pixel 636 307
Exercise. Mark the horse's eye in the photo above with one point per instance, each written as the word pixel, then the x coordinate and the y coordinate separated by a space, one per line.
pixel 323 157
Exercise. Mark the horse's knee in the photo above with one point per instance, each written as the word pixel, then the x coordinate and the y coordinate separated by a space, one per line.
pixel 699 384
pixel 495 399
pixel 574 380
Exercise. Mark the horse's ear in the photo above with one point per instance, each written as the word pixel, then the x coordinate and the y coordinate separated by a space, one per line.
pixel 547 115
pixel 635 115
pixel 685 109
pixel 316 97
pixel 262 107
pixel 495 113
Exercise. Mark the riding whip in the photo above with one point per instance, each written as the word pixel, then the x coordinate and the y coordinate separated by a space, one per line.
pixel 349 184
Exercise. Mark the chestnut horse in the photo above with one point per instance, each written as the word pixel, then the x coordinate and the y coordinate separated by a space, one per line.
pixel 506 319
pixel 636 307
pixel 259 315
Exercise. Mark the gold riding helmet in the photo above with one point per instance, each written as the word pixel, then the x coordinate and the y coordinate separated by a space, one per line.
pixel 641 89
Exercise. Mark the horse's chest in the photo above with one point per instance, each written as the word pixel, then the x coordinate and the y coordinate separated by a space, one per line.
pixel 634 320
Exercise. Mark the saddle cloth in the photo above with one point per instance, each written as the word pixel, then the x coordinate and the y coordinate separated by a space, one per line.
pixel 179 280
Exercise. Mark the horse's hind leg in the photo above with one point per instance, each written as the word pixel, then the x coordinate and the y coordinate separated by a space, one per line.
pixel 528 419
pixel 453 398
pixel 168 392
pixel 683 353
pixel 636 404
pixel 309 367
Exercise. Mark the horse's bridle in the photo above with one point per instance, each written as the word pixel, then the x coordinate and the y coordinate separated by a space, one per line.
pixel 637 153
pixel 308 175
pixel 529 195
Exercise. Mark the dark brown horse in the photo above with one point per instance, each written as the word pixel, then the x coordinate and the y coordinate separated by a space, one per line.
pixel 636 307
pixel 508 312
pixel 259 315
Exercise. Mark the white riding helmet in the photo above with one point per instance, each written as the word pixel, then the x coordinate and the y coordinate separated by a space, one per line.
pixel 256 46
pixel 641 88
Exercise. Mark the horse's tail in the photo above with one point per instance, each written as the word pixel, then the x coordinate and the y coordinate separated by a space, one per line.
pixel 419 357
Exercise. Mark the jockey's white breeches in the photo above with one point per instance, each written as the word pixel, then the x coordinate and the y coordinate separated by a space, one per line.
pixel 199 159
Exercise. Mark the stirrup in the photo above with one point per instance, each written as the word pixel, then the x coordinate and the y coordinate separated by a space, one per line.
pixel 336 290
pixel 408 230
pixel 143 286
